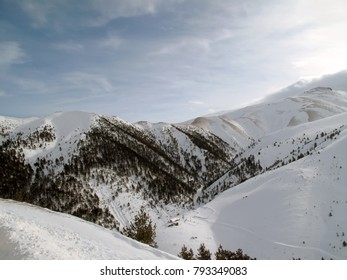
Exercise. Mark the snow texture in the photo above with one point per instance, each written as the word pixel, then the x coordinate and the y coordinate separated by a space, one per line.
pixel 30 232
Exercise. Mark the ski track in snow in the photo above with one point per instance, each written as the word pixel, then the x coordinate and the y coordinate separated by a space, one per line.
pixel 262 237
pixel 119 215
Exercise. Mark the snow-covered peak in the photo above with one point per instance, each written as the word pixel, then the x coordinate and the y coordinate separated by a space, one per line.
pixel 14 122
pixel 52 136
pixel 336 81
pixel 64 123
pixel 8 124
pixel 248 124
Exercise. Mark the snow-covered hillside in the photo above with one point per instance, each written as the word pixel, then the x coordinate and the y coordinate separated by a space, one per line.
pixel 8 124
pixel 31 232
pixel 64 131
pixel 268 178
pixel 93 166
pixel 296 211
pixel 244 126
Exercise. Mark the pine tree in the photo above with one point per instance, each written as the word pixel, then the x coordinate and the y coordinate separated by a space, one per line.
pixel 221 254
pixel 203 253
pixel 239 255
pixel 142 229
pixel 186 254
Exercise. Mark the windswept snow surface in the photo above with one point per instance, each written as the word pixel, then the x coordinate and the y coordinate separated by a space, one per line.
pixel 30 232
pixel 296 211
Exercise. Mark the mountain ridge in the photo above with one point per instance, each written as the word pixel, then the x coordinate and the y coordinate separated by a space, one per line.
pixel 104 169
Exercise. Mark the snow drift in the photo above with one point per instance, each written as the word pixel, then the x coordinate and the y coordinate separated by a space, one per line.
pixel 31 232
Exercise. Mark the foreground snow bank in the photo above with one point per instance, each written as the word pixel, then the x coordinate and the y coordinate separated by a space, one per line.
pixel 30 232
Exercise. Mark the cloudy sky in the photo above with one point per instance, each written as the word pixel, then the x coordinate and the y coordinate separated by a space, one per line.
pixel 161 60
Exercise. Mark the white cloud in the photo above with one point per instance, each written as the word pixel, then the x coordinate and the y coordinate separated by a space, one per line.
pixel 90 83
pixel 183 45
pixel 91 12
pixel 38 11
pixel 30 85
pixel 196 102
pixel 11 53
pixel 2 93
pixel 112 42
pixel 322 50
pixel 68 46
pixel 111 9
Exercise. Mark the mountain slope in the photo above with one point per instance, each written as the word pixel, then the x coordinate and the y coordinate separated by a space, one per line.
pixel 81 163
pixel 244 126
pixel 28 232
pixel 295 211
pixel 271 135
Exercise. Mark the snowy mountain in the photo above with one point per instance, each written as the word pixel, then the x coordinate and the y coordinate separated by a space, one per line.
pixel 246 125
pixel 294 211
pixel 88 165
pixel 267 178
pixel 337 81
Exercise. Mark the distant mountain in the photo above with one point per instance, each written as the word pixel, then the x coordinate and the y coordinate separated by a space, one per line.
pixel 245 125
pixel 287 154
pixel 337 81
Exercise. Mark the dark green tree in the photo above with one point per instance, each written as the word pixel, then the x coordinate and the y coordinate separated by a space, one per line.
pixel 222 254
pixel 142 229
pixel 186 254
pixel 15 175
pixel 203 253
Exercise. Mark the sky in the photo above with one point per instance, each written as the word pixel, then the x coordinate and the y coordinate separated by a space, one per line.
pixel 162 60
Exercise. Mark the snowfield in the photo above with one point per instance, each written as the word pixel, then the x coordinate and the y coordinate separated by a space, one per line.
pixel 30 232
